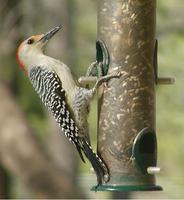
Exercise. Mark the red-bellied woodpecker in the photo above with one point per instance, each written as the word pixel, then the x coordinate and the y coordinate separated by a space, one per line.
pixel 62 95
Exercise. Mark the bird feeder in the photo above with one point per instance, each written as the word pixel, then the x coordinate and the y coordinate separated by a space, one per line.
pixel 126 107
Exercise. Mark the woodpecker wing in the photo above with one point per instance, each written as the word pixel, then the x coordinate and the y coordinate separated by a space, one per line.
pixel 49 87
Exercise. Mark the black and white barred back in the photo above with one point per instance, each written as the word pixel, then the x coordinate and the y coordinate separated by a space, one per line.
pixel 49 87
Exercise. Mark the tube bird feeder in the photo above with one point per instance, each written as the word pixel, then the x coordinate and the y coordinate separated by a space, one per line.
pixel 126 108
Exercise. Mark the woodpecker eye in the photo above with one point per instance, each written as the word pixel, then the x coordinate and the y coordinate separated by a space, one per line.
pixel 30 41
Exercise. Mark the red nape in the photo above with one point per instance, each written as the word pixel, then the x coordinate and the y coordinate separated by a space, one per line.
pixel 21 64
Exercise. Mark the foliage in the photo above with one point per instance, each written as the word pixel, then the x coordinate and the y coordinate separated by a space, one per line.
pixel 170 109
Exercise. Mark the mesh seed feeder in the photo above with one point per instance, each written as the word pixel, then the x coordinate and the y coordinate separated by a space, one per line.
pixel 126 108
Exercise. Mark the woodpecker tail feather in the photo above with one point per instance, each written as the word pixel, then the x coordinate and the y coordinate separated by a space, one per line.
pixel 99 166
pixel 80 152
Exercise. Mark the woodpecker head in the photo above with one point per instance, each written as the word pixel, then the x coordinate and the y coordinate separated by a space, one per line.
pixel 34 46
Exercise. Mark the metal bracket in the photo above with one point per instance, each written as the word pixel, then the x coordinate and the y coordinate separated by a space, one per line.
pixel 160 80
pixel 99 67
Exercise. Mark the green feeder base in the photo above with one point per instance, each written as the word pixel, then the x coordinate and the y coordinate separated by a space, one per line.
pixel 126 188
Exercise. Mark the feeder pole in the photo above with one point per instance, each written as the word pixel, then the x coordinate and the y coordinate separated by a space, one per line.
pixel 126 108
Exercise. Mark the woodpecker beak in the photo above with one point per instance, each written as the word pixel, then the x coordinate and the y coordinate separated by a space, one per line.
pixel 50 34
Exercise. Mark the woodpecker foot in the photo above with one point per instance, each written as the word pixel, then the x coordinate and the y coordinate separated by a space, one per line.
pixel 106 78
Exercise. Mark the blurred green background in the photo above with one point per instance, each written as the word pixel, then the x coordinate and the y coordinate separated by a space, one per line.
pixel 75 46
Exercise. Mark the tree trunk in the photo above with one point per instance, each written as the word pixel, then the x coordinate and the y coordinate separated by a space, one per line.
pixel 4 183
